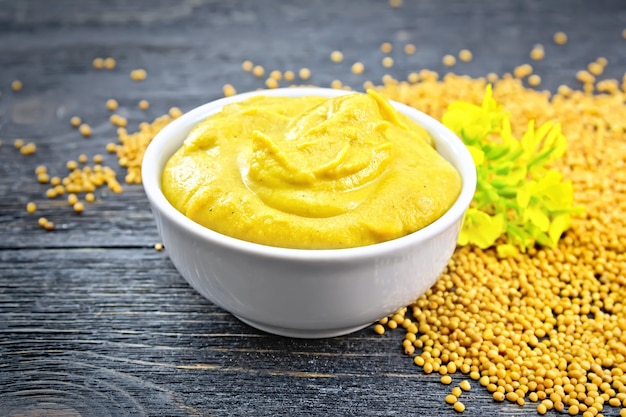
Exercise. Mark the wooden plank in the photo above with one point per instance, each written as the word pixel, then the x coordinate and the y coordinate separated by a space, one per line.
pixel 95 322
pixel 108 336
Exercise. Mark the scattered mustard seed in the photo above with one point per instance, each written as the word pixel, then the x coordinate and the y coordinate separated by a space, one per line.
pixel 109 63
pixel 82 158
pixel 118 120
pixel 409 49
pixel 174 112
pixel 31 207
pixel 560 38
pixel 304 73
pixel 459 407
pixel 522 71
pixel 42 221
pixel 85 130
pixel 449 60
pixel 16 85
pixel 111 104
pixel 158 247
pixel 446 379
pixel 79 207
pixel 451 399
pixel 537 53
pixel 534 80
pixel 111 147
pixel 98 63
pixel 336 56
pixel 386 47
pixel 258 71
pixel 289 75
pixel 247 65
pixel 465 55
pixel 90 198
pixel 18 143
pixel 336 84
pixel 498 396
pixel 379 329
pixel 75 121
pixel 395 3
pixel 358 68
pixel 271 83
pixel 585 77
pixel 72 199
pixel 595 68
pixel 465 385
pixel 139 74
pixel 387 62
pixel 228 90
pixel 28 149
pixel 43 178
pixel 276 74
pixel 49 226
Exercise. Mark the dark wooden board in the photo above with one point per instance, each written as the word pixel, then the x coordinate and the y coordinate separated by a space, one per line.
pixel 95 322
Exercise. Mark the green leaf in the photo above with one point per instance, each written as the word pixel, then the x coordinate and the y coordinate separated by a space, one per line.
pixel 480 229
pixel 518 198
pixel 558 225
pixel 506 250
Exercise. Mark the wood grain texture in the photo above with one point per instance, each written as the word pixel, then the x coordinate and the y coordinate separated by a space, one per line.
pixel 93 321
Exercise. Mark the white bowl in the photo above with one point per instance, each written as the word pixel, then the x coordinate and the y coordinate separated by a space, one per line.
pixel 298 292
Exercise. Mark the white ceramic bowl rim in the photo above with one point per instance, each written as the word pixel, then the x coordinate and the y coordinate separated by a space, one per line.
pixel 151 178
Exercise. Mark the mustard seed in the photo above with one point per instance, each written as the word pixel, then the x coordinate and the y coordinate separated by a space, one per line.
pixel 16 85
pixel 79 207
pixel 111 104
pixel 465 55
pixel 109 63
pixel 304 73
pixel 247 66
pixel 228 90
pixel 85 130
pixel 98 63
pixel 560 38
pixel 537 53
pixel 271 83
pixel 336 56
pixel 358 68
pixel 449 60
pixel 387 62
pixel 258 71
pixel 139 74
pixel 534 80
pixel 289 75
pixel 459 407
pixel 451 399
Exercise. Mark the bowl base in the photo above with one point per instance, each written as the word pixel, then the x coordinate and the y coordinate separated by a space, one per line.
pixel 302 334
